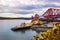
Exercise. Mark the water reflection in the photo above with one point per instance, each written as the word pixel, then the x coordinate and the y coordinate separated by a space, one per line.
pixel 21 30
pixel 7 34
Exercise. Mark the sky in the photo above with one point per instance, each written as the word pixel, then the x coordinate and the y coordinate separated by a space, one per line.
pixel 26 8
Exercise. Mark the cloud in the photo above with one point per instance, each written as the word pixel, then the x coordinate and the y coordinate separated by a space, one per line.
pixel 28 7
pixel 13 15
pixel 20 2
pixel 52 1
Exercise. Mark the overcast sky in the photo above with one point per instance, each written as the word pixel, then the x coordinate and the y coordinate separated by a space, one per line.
pixel 27 6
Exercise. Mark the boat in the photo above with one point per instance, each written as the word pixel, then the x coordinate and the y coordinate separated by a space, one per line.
pixel 18 28
pixel 22 26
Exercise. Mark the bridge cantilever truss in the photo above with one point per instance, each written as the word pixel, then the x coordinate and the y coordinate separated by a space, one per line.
pixel 51 13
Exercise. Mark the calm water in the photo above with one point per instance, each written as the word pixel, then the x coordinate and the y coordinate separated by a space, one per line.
pixel 7 34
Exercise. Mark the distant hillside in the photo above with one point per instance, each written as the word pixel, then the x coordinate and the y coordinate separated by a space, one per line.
pixel 15 18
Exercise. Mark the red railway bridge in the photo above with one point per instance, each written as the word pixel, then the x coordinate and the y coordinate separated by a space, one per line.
pixel 52 13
